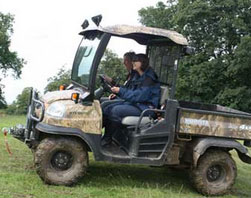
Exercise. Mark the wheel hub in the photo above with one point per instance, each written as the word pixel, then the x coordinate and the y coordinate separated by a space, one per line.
pixel 62 160
pixel 214 173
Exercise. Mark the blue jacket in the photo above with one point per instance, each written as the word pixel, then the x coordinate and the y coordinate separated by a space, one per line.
pixel 143 91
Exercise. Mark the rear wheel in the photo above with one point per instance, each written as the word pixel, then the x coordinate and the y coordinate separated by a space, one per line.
pixel 61 161
pixel 215 173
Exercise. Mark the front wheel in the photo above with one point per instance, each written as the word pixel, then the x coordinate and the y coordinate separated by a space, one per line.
pixel 215 173
pixel 61 161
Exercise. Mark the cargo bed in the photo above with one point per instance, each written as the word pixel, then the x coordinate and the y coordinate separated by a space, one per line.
pixel 213 120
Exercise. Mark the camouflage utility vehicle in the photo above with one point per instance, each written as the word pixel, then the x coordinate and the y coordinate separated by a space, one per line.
pixel 63 126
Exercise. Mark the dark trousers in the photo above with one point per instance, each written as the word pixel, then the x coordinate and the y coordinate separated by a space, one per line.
pixel 113 115
pixel 117 111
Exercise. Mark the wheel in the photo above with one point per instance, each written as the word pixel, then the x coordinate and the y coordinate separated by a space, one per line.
pixel 61 161
pixel 215 173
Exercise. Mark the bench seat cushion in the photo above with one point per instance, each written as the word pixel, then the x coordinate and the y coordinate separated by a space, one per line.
pixel 133 120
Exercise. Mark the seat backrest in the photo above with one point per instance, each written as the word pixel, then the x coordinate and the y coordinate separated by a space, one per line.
pixel 164 94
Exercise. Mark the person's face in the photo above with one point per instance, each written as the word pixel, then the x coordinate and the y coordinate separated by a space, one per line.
pixel 136 66
pixel 128 64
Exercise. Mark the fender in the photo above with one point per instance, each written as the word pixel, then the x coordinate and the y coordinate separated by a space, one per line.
pixel 202 144
pixel 91 140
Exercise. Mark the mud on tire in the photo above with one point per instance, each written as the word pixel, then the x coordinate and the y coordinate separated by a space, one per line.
pixel 61 161
pixel 215 173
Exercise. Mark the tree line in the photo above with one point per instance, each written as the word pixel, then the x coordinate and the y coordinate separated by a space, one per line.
pixel 219 71
pixel 9 60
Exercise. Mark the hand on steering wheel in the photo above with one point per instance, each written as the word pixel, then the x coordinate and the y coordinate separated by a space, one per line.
pixel 105 84
pixel 115 90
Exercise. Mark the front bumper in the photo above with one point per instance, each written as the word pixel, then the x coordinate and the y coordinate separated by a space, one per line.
pixel 27 133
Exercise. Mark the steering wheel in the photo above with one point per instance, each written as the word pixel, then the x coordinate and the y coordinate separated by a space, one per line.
pixel 106 85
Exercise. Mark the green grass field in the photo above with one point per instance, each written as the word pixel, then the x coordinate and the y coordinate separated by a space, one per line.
pixel 18 178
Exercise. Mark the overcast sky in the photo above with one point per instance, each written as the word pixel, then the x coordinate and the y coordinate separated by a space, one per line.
pixel 46 34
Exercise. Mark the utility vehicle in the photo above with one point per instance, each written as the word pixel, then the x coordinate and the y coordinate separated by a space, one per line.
pixel 63 126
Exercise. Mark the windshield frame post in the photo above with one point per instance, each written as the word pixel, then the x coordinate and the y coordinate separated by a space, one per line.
pixel 94 68
pixel 89 87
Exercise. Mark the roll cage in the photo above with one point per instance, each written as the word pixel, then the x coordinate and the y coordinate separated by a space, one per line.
pixel 163 47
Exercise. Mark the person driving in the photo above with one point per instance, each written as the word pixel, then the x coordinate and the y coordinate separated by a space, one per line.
pixel 143 92
pixel 127 60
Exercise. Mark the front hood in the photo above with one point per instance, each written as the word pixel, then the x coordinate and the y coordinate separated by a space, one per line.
pixel 53 96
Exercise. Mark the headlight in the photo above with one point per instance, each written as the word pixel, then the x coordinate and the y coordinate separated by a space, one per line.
pixel 56 109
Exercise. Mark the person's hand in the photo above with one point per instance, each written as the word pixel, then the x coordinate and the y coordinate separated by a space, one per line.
pixel 108 79
pixel 112 96
pixel 115 90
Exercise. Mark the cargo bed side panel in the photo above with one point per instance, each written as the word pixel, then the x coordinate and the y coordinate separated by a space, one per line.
pixel 217 124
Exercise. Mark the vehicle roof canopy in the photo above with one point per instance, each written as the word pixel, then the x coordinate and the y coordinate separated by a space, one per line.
pixel 143 35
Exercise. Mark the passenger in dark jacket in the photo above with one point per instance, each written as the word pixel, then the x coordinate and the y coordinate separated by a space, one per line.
pixel 142 93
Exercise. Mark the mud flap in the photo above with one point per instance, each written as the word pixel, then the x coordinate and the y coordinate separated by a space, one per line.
pixel 244 157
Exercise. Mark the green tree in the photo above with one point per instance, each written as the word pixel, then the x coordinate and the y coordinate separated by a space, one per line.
pixel 112 66
pixel 63 77
pixel 215 28
pixel 20 105
pixel 9 61
pixel 160 16
pixel 3 103
pixel 236 93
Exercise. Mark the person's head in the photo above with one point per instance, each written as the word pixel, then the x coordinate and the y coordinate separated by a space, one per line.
pixel 140 62
pixel 128 56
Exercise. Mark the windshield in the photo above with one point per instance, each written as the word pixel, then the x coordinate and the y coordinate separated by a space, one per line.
pixel 84 59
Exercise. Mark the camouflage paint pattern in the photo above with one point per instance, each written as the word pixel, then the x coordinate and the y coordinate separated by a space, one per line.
pixel 86 118
pixel 53 96
pixel 127 30
pixel 214 125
